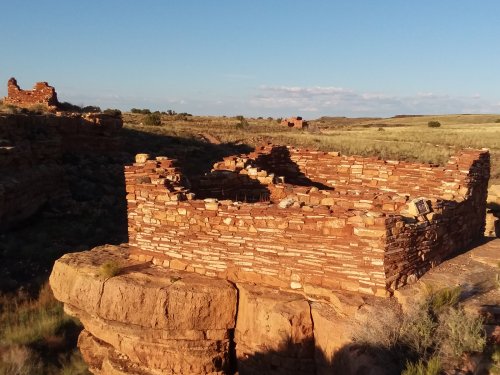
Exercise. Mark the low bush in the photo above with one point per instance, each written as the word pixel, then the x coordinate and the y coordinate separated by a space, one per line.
pixel 434 334
pixel 433 124
pixel 460 332
pixel 418 330
pixel 141 111
pixel 242 124
pixel 36 337
pixel 112 112
pixel 437 300
pixel 152 119
pixel 20 360
pixel 433 367
pixel 68 107
pixel 91 109
pixel 38 109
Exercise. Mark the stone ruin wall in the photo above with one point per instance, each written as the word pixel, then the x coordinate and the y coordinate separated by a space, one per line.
pixel 294 122
pixel 41 94
pixel 31 152
pixel 341 222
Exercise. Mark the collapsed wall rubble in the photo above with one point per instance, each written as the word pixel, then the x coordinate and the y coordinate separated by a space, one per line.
pixel 312 219
pixel 32 147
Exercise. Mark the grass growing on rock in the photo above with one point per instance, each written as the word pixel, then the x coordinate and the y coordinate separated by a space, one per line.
pixel 109 269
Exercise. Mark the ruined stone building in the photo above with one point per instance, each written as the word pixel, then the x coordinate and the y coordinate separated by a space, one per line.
pixel 41 94
pixel 263 264
pixel 294 122
pixel 295 218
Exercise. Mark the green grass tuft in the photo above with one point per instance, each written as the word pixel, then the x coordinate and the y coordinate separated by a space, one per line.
pixel 109 269
pixel 433 367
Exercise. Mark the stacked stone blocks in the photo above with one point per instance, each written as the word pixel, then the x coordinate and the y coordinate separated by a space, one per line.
pixel 327 221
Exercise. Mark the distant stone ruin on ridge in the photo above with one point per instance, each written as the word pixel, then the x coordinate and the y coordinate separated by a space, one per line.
pixel 294 122
pixel 41 94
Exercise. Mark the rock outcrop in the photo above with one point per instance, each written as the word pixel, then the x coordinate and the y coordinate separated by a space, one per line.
pixel 147 320
pixel 151 320
pixel 32 149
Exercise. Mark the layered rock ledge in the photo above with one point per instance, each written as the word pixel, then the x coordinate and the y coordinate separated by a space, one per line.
pixel 152 320
pixel 148 320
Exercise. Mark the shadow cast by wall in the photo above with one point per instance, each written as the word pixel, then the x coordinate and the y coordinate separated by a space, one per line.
pixel 279 162
pixel 94 211
pixel 351 359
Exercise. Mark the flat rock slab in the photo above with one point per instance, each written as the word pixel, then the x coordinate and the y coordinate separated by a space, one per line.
pixel 146 319
pixel 142 294
pixel 488 253
pixel 475 271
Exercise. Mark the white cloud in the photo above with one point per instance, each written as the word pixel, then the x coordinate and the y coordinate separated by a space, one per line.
pixel 340 101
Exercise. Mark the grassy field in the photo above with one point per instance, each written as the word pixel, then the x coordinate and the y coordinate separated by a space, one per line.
pixel 402 138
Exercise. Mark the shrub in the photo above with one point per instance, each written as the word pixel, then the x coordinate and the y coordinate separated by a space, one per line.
pixel 152 119
pixel 141 111
pixel 180 117
pixel 20 360
pixel 112 112
pixel 109 269
pixel 242 124
pixel 378 328
pixel 417 331
pixel 497 120
pixel 68 107
pixel 434 124
pixel 38 109
pixel 433 367
pixel 438 300
pixel 91 109
pixel 460 332
pixel 74 365
pixel 31 321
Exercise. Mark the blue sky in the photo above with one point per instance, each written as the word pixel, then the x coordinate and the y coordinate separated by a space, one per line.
pixel 259 57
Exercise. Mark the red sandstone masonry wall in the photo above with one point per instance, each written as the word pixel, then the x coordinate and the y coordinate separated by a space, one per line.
pixel 329 238
pixel 414 246
pixel 257 242
pixel 41 94
pixel 31 149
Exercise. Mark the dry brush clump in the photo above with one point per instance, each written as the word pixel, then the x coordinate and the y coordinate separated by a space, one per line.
pixel 37 337
pixel 434 335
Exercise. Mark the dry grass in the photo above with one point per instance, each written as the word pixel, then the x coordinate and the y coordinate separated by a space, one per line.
pixel 432 367
pixel 437 332
pixel 35 336
pixel 109 269
pixel 407 138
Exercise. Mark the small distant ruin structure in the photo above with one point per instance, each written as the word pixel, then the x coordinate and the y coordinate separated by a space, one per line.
pixel 41 94
pixel 294 122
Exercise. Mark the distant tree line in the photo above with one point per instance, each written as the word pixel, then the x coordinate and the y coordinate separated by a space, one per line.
pixel 169 112
pixel 69 107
